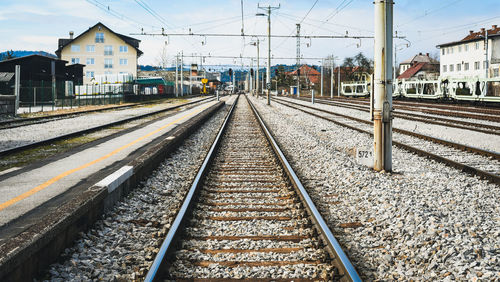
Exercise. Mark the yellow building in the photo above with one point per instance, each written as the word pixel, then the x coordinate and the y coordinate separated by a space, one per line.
pixel 102 51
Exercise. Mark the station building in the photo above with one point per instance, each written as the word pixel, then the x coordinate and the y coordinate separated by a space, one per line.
pixel 102 51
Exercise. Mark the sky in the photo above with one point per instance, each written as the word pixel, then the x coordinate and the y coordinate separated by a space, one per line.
pixel 37 25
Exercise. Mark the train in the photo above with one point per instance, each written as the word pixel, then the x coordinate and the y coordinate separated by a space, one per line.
pixel 441 88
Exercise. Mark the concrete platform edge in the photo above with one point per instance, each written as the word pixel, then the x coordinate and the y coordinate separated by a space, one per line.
pixel 35 254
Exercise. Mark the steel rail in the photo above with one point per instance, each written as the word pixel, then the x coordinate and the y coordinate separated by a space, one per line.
pixel 417 117
pixel 344 264
pixel 6 124
pixel 93 129
pixel 463 167
pixel 166 246
pixel 486 153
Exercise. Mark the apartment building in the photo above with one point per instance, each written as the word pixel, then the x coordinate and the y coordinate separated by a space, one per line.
pixel 102 51
pixel 473 56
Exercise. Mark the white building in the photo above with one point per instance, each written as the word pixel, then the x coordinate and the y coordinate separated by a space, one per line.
pixel 467 58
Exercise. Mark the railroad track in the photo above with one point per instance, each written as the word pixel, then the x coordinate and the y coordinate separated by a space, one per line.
pixel 32 145
pixel 247 216
pixel 483 163
pixel 14 123
pixel 461 124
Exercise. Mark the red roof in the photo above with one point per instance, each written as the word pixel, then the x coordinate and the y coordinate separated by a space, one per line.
pixel 412 71
pixel 473 36
pixel 308 71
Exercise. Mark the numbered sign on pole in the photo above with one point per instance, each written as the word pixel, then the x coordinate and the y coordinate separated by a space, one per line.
pixel 364 157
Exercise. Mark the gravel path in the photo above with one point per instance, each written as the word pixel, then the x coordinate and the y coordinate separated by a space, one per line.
pixel 124 243
pixel 475 139
pixel 425 221
pixel 18 136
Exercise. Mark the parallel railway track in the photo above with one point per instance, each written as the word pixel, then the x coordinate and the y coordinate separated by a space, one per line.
pixel 461 124
pixel 247 216
pixel 32 145
pixel 483 163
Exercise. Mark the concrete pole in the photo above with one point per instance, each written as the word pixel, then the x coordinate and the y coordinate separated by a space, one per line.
pixel 268 71
pixel 234 81
pixel 321 78
pixel 312 96
pixel 190 81
pixel 182 73
pixel 382 124
pixel 338 82
pixel 331 79
pixel 298 82
pixel 258 67
pixel 176 75
pixel 486 61
pixel 17 87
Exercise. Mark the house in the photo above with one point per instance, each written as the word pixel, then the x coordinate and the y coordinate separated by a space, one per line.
pixel 102 51
pixel 420 58
pixel 419 67
pixel 467 57
pixel 310 73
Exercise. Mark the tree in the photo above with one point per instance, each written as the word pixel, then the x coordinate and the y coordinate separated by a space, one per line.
pixel 7 56
pixel 353 67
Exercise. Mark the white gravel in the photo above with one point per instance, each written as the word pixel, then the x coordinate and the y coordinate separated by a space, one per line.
pixel 124 243
pixel 14 137
pixel 426 221
pixel 457 135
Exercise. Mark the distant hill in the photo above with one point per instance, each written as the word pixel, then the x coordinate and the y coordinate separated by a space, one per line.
pixel 23 53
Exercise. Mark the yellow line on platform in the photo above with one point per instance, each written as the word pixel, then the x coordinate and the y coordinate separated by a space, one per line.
pixel 71 171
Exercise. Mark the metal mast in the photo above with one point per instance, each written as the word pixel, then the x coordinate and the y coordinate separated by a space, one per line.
pixel 268 9
pixel 382 110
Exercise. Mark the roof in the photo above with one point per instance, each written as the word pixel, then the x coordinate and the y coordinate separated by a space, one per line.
pixel 63 42
pixel 412 71
pixel 151 80
pixel 305 70
pixel 32 56
pixel 420 58
pixel 6 76
pixel 475 36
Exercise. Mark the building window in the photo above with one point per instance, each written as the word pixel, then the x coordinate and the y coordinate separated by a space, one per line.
pixel 99 37
pixel 485 65
pixel 459 67
pixel 447 50
pixel 477 45
pixel 123 62
pixel 451 68
pixel 495 73
pixel 459 48
pixel 89 74
pixel 451 51
pixel 108 72
pixel 466 66
pixel 75 48
pixel 466 47
pixel 123 49
pixel 75 60
pixel 91 48
pixel 90 61
pixel 442 51
pixel 476 65
pixel 108 50
pixel 108 63
pixel 444 68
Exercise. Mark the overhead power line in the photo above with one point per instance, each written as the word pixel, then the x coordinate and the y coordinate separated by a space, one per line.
pixel 259 35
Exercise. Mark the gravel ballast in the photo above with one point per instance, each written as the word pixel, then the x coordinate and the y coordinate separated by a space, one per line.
pixel 424 221
pixel 14 137
pixel 475 139
pixel 124 243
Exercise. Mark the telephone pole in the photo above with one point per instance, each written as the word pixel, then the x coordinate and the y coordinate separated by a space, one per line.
pixel 298 60
pixel 382 107
pixel 176 75
pixel 268 9
pixel 182 73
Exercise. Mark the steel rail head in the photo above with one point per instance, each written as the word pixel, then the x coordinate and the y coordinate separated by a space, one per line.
pixel 160 258
pixel 348 267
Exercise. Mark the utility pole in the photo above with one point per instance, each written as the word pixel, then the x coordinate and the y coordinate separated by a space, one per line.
pixel 486 62
pixel 382 112
pixel 176 75
pixel 258 66
pixel 338 81
pixel 268 71
pixel 321 78
pixel 182 73
pixel 191 79
pixel 331 78
pixel 298 60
